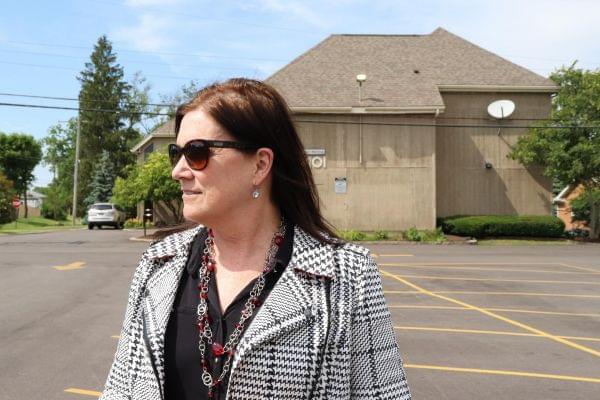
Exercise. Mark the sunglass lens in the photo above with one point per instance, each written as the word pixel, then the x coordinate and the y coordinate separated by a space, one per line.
pixel 196 153
pixel 174 154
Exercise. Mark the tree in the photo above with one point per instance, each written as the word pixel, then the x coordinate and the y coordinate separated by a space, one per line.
pixel 568 144
pixel 580 206
pixel 102 182
pixel 19 155
pixel 150 181
pixel 107 116
pixel 59 156
pixel 7 212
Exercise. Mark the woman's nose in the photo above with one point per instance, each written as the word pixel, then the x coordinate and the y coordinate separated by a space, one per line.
pixel 181 170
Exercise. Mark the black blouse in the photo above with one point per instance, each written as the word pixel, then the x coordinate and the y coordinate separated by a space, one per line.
pixel 183 372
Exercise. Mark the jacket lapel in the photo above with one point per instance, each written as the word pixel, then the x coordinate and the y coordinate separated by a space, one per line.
pixel 168 258
pixel 296 298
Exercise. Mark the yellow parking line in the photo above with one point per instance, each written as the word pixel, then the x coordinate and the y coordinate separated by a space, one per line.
pixel 583 296
pixel 456 278
pixel 483 332
pixel 507 373
pixel 84 392
pixel 69 267
pixel 424 266
pixel 499 317
pixel 496 309
pixel 581 268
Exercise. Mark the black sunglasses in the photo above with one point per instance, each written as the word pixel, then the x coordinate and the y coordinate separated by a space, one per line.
pixel 197 151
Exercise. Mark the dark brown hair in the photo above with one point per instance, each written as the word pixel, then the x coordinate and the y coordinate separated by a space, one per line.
pixel 254 112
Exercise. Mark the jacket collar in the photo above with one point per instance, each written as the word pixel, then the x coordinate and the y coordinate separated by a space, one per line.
pixel 308 254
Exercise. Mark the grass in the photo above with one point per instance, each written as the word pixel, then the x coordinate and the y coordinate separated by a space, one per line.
pixel 415 235
pixel 38 224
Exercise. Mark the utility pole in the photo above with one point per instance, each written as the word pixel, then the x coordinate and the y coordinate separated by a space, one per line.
pixel 75 169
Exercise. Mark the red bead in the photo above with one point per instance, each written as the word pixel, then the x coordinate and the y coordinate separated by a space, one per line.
pixel 210 266
pixel 238 325
pixel 203 362
pixel 205 258
pixel 255 301
pixel 210 393
pixel 210 232
pixel 201 326
pixel 278 240
pixel 204 296
pixel 208 318
pixel 217 349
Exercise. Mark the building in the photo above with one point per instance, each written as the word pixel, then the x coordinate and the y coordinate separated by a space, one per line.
pixel 563 207
pixel 414 141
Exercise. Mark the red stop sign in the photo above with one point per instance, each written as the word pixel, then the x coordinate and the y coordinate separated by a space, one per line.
pixel 16 203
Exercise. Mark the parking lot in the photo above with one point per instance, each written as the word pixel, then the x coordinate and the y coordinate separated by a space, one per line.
pixel 496 322
pixel 472 322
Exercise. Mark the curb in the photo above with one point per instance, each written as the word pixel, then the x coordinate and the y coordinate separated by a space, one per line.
pixel 140 239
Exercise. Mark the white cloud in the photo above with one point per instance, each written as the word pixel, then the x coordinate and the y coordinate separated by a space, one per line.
pixel 150 33
pixel 298 10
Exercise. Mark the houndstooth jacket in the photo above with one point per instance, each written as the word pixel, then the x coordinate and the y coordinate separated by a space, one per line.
pixel 324 332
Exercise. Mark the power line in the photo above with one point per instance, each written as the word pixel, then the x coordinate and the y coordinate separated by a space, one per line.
pixel 86 57
pixel 187 78
pixel 82 109
pixel 450 125
pixel 477 118
pixel 326 122
pixel 87 100
pixel 160 53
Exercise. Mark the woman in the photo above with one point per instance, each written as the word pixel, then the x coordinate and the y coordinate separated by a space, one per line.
pixel 260 300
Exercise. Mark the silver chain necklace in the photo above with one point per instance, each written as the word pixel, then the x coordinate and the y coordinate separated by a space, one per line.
pixel 205 333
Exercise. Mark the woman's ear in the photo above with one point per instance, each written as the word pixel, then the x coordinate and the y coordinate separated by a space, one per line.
pixel 264 158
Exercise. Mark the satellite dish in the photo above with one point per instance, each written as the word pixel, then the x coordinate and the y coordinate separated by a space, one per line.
pixel 501 109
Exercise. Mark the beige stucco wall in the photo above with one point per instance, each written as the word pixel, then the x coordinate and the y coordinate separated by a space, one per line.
pixel 464 185
pixel 394 186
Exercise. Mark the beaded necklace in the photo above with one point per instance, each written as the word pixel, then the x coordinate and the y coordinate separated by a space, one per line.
pixel 207 268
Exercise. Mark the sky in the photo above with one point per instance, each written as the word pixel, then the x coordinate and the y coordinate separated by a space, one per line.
pixel 44 45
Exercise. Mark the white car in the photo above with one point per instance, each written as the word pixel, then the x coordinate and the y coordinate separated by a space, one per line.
pixel 101 214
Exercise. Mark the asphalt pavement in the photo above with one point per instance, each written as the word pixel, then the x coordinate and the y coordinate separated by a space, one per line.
pixel 472 322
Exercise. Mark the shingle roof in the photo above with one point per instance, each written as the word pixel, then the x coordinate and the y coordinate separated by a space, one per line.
pixel 325 76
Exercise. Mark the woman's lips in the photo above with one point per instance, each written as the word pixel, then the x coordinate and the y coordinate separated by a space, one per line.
pixel 190 193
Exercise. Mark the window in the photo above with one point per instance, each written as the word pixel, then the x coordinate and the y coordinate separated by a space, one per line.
pixel 149 149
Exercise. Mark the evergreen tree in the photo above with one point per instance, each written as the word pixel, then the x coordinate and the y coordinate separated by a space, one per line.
pixel 102 182
pixel 106 120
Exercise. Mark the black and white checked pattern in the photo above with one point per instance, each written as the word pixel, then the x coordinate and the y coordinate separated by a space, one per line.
pixel 324 332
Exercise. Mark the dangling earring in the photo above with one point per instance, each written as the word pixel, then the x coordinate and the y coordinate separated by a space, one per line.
pixel 256 193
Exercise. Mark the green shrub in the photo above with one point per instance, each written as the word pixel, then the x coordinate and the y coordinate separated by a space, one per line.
pixel 352 235
pixel 414 235
pixel 503 225
pixel 381 235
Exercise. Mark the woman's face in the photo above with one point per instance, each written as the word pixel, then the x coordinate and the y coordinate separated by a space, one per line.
pixel 225 186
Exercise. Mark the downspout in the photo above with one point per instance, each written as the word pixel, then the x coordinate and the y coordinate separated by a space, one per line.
pixel 360 137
